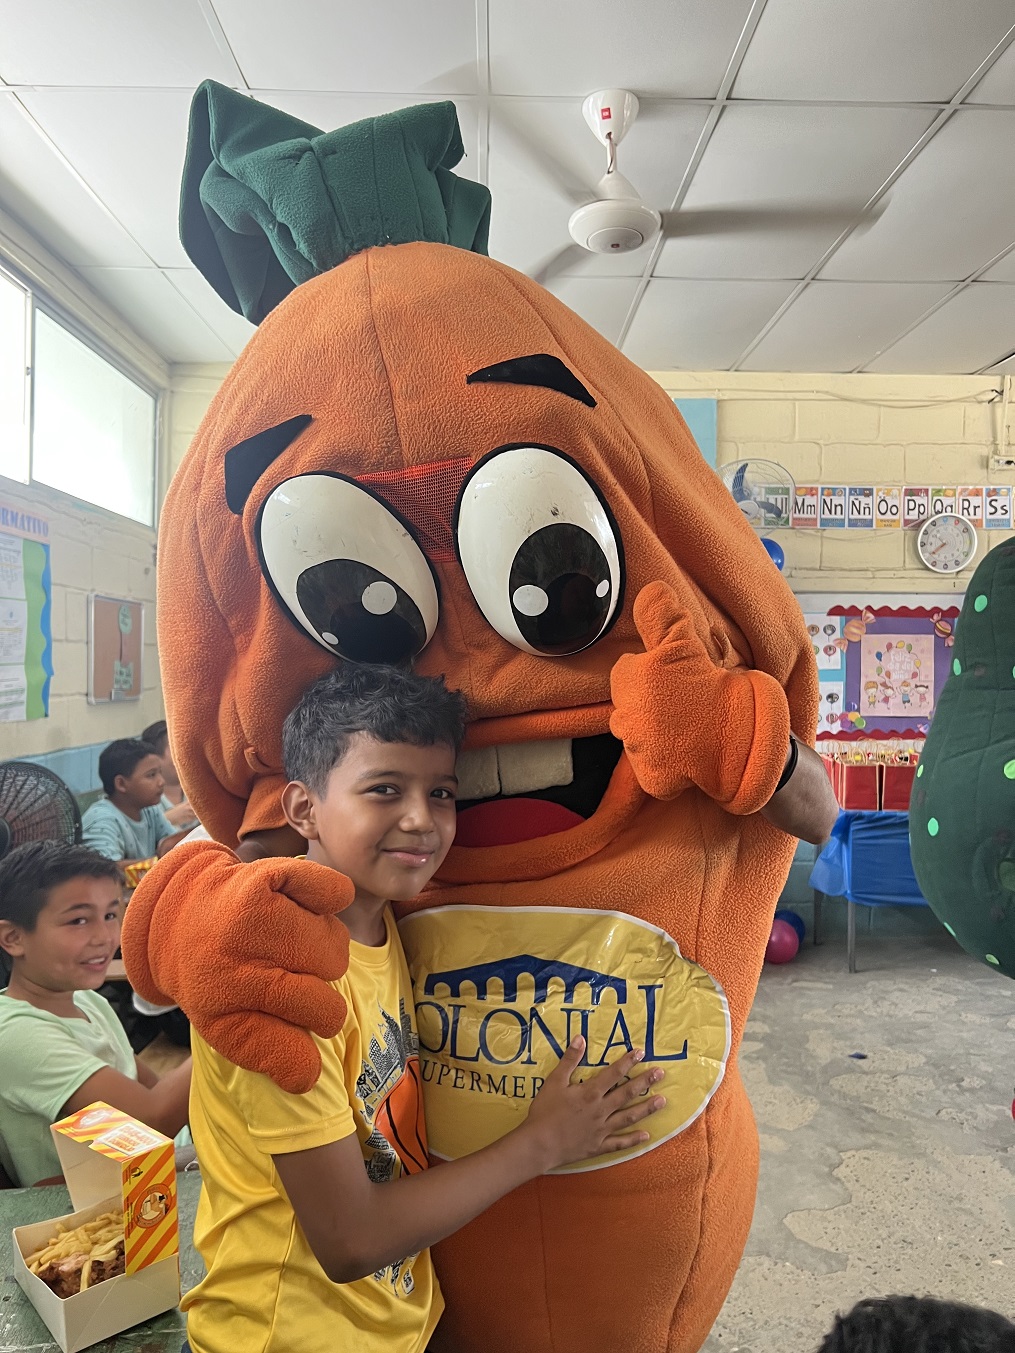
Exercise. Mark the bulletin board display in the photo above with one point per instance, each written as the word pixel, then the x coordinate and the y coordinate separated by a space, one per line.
pixel 26 596
pixel 115 649
pixel 881 665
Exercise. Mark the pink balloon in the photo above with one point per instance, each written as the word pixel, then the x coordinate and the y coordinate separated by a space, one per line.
pixel 783 943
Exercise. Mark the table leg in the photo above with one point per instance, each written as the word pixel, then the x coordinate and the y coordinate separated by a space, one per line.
pixel 851 933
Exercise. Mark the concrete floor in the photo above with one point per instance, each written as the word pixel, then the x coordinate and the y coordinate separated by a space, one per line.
pixel 891 1174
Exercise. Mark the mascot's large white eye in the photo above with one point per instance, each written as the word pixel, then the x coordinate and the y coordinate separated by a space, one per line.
pixel 540 550
pixel 347 569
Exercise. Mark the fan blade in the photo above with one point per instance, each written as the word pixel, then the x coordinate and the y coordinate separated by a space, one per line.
pixel 737 487
pixel 687 222
pixel 551 267
pixel 773 509
pixel 554 169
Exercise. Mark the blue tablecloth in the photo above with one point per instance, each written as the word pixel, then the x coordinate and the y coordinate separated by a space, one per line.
pixel 867 860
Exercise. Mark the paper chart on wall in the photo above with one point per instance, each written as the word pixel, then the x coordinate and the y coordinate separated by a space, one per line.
pixel 897 674
pixel 26 648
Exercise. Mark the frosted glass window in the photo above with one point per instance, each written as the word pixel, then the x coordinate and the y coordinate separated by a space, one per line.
pixel 14 309
pixel 93 433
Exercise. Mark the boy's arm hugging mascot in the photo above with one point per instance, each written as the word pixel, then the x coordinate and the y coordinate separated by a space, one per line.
pixel 423 456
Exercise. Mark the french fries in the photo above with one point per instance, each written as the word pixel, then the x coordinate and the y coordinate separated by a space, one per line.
pixel 75 1260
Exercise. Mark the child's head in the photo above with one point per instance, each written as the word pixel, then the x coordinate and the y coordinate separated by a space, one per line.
pixel 59 914
pixel 919 1325
pixel 131 773
pixel 370 756
pixel 157 737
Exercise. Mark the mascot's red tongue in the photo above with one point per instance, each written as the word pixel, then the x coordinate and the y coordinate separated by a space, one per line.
pixel 505 822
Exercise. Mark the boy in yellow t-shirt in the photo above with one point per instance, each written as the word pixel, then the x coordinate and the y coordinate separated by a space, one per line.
pixel 317 1210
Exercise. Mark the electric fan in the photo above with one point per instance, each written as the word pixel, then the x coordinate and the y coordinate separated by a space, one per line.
pixel 762 490
pixel 35 805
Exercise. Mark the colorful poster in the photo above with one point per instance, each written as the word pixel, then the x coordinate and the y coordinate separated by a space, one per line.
pixel 888 507
pixel 805 505
pixel 831 696
pixel 861 509
pixel 915 505
pixel 26 643
pixel 942 500
pixel 897 674
pixel 876 633
pixel 997 514
pixel 969 505
pixel 833 506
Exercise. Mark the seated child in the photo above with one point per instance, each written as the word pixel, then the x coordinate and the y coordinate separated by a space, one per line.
pixel 128 824
pixel 174 802
pixel 315 1216
pixel 919 1325
pixel 61 1045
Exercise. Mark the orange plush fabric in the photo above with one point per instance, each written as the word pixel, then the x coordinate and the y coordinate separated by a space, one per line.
pixel 701 676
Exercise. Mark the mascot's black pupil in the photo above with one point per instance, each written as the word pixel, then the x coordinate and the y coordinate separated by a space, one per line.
pixel 560 589
pixel 360 612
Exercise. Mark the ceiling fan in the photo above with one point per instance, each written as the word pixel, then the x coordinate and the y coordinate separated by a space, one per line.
pixel 611 218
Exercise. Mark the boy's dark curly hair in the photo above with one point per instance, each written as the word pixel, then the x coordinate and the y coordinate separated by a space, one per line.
pixel 919 1325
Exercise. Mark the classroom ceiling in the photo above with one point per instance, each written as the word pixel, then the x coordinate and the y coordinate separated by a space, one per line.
pixel 836 174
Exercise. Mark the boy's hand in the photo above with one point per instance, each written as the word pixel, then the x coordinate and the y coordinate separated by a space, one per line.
pixel 569 1123
pixel 247 951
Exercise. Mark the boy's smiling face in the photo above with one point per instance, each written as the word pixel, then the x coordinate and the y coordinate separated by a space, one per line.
pixel 385 819
pixel 74 938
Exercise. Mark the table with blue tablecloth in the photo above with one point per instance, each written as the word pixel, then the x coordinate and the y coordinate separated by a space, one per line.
pixel 866 860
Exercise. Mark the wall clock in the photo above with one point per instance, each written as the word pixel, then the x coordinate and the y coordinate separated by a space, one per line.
pixel 946 543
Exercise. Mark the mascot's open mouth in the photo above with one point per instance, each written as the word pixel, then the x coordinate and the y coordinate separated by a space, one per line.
pixel 525 790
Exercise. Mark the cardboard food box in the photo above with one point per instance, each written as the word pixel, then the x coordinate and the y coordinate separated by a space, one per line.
pixel 112 1163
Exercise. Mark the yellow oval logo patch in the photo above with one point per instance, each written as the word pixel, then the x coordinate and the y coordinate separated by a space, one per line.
pixel 500 992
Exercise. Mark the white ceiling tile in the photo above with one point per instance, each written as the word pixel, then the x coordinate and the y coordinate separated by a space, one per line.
pixel 330 111
pixel 653 47
pixel 949 213
pixel 998 85
pixel 836 326
pixel 159 313
pixel 700 325
pixel 785 181
pixel 1005 368
pixel 544 162
pixel 114 43
pixel 869 49
pixel 1003 271
pixel 602 302
pixel 233 329
pixel 128 146
pixel 975 328
pixel 399 46
pixel 39 188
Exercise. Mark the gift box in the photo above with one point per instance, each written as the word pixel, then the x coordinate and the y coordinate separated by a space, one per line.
pixel 112 1163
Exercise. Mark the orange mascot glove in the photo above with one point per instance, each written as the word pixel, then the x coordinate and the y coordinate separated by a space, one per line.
pixel 685 721
pixel 247 951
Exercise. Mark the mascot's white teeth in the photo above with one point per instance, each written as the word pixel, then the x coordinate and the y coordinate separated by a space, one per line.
pixel 516 768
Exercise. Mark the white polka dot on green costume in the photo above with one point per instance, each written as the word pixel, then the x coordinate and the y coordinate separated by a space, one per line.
pixel 956 667
pixel 919 771
pixel 1009 770
pixel 991 959
pixel 980 604
pixel 933 826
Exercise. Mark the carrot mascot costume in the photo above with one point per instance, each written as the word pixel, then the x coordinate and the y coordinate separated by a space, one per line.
pixel 423 456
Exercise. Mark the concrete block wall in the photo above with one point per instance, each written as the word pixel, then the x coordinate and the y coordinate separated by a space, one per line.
pixel 880 430
pixel 90 551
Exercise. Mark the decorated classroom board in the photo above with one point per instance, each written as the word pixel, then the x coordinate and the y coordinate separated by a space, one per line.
pixel 26 637
pixel 881 664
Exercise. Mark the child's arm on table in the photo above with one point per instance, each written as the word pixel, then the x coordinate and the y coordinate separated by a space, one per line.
pixel 161 1104
pixel 355 1227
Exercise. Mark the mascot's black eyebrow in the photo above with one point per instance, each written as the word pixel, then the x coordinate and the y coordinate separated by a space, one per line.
pixel 247 460
pixel 538 369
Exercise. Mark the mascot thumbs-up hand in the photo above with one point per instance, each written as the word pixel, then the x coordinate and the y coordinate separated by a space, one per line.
pixel 686 721
pixel 248 952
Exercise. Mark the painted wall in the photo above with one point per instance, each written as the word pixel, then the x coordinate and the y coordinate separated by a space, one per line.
pixel 91 550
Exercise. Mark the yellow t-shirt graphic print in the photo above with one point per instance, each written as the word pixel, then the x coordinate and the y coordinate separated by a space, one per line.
pixel 265 1292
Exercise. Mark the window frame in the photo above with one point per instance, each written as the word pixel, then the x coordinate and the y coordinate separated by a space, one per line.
pixel 40 301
